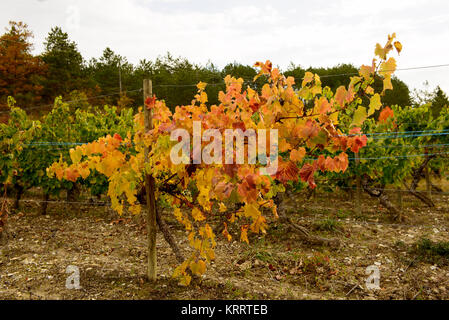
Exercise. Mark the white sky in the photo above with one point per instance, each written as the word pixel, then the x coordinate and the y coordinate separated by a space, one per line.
pixel 308 33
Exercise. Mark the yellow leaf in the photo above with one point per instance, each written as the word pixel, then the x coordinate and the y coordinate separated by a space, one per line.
pixel 134 209
pixel 251 211
pixel 380 52
pixel 387 67
pixel 209 254
pixel 194 242
pixel 84 172
pixel 259 225
pixel 203 97
pixel 178 214
pixel 76 154
pixel 244 234
pixel 208 232
pixel 387 83
pixel 201 85
pixel 334 117
pixel 366 71
pixel 374 104
pixel 222 207
pixel 59 173
pixel 308 77
pixel 185 280
pixel 180 270
pixel 197 214
pixel 386 70
pixel 398 46
pixel 198 268
pixel 266 91
pixel 369 90
pixel 359 116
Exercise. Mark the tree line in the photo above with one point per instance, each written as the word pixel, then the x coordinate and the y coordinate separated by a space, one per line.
pixel 60 70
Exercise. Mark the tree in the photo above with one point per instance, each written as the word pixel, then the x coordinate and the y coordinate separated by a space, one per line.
pixel 20 72
pixel 238 70
pixel 332 77
pixel 438 102
pixel 436 99
pixel 108 72
pixel 174 79
pixel 65 65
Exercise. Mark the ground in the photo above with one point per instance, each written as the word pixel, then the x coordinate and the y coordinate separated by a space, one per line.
pixel 111 254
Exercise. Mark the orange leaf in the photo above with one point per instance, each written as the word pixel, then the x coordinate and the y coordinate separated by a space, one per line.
pixel 385 114
pixel 225 232
pixel 287 171
pixel 71 174
pixel 297 155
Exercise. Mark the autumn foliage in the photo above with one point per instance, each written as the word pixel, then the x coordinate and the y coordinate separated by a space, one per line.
pixel 307 120
pixel 20 71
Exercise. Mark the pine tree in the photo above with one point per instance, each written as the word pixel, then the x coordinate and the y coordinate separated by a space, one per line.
pixel 65 65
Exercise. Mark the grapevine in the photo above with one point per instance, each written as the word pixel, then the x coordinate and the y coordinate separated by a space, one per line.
pixel 307 121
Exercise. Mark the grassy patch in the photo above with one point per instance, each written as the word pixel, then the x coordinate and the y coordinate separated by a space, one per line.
pixel 327 224
pixel 432 252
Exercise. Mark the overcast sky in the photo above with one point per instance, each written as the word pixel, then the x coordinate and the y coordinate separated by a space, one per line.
pixel 308 33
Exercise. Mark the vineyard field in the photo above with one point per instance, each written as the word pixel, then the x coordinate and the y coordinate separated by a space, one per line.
pixel 261 184
pixel 109 253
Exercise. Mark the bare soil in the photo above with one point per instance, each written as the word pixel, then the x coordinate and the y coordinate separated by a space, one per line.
pixel 111 255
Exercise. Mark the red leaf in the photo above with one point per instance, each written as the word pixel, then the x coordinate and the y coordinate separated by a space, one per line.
pixel 230 169
pixel 287 171
pixel 239 125
pixel 355 143
pixel 247 192
pixel 150 102
pixel 306 174
pixel 254 105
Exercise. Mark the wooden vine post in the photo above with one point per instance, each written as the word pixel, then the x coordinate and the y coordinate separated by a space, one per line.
pixel 427 176
pixel 150 190
pixel 4 218
pixel 358 200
